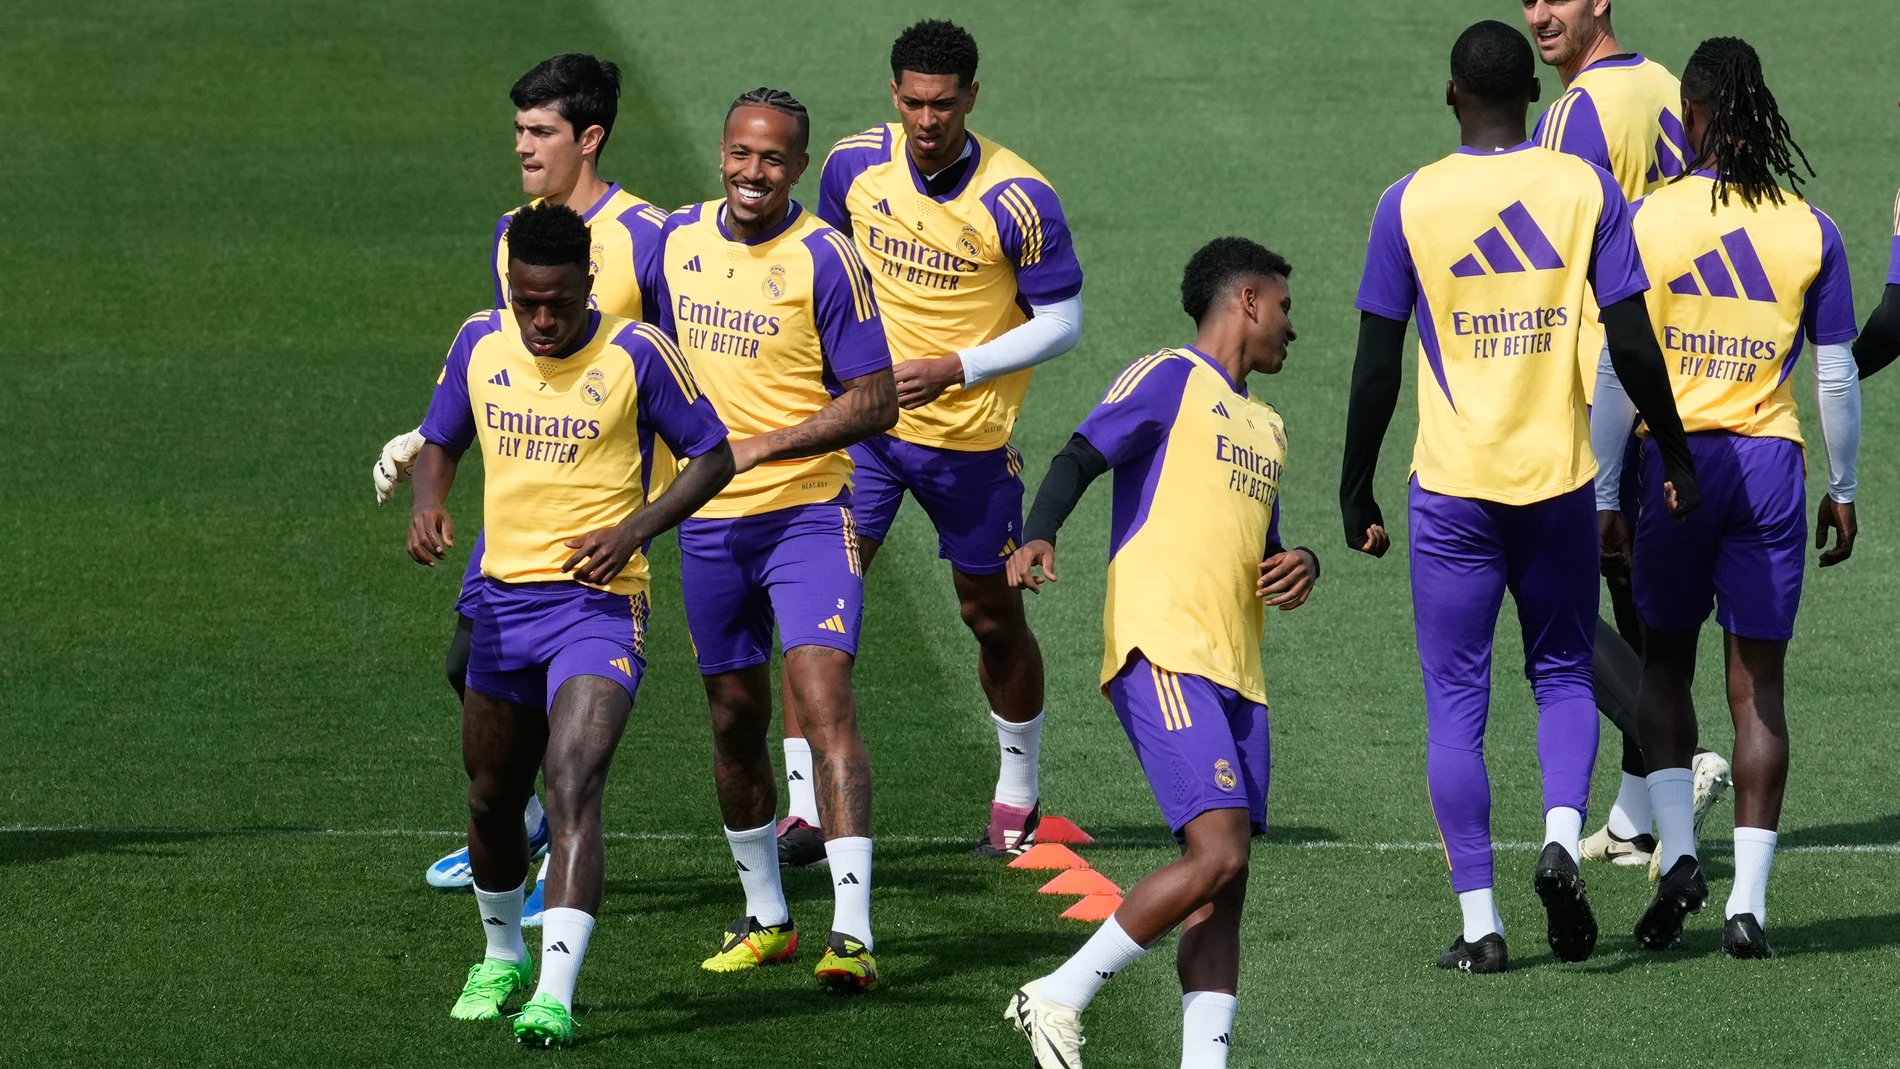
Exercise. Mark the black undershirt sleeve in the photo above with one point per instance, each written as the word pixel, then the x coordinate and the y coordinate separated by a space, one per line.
pixel 1070 473
pixel 1639 365
pixel 1378 371
pixel 1879 340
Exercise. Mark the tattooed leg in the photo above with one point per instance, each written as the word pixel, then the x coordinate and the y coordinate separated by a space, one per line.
pixel 828 712
pixel 741 705
pixel 584 728
pixel 501 749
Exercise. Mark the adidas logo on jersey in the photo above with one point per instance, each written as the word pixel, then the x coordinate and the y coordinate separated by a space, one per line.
pixel 883 206
pixel 1718 281
pixel 500 379
pixel 850 878
pixel 1220 409
pixel 836 623
pixel 1499 255
pixel 691 265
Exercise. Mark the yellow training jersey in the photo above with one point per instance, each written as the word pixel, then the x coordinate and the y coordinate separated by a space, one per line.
pixel 624 261
pixel 952 270
pixel 1197 504
pixel 1620 114
pixel 1491 252
pixel 772 325
pixel 1733 290
pixel 567 442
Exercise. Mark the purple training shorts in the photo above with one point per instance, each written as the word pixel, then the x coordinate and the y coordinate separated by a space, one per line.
pixel 796 567
pixel 530 638
pixel 974 498
pixel 1201 745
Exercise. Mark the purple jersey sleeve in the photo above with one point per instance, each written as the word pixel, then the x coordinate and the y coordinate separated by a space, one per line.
pixel 1273 525
pixel 450 422
pixel 1828 307
pixel 1616 268
pixel 494 257
pixel 1389 286
pixel 849 328
pixel 646 229
pixel 1571 125
pixel 670 402
pixel 849 158
pixel 1138 411
pixel 1035 237
pixel 661 314
pixel 1893 265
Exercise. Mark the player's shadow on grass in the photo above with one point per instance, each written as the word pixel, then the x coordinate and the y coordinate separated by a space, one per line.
pixel 38 846
pixel 1880 831
pixel 1837 935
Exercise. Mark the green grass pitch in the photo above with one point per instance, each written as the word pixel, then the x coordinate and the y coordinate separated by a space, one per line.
pixel 237 239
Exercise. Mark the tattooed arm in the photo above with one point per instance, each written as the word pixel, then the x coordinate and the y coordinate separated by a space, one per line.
pixel 867 406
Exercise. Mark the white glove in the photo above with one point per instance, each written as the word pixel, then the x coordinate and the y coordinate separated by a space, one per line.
pixel 398 460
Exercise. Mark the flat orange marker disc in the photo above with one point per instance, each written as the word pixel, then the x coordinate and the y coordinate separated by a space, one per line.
pixel 1061 830
pixel 1049 856
pixel 1094 908
pixel 1081 882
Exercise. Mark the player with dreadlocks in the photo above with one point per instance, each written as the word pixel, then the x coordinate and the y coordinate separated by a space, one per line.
pixel 1740 270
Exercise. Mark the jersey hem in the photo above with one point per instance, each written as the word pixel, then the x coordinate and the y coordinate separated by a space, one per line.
pixel 1251 693
pixel 1475 493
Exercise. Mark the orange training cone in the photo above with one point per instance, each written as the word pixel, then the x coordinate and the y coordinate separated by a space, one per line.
pixel 1081 882
pixel 1094 908
pixel 1061 830
pixel 1049 856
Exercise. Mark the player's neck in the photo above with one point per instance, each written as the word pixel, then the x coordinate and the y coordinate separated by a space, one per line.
pixel 1487 131
pixel 1222 344
pixel 740 230
pixel 587 191
pixel 1603 47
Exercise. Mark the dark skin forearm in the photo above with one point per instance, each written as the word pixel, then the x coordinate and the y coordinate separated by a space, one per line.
pixel 1639 365
pixel 1879 341
pixel 696 484
pixel 867 406
pixel 431 531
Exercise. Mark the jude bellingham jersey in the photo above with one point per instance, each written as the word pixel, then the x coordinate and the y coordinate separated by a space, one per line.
pixel 567 442
pixel 1490 251
pixel 624 258
pixel 1732 292
pixel 952 271
pixel 771 325
pixel 1196 504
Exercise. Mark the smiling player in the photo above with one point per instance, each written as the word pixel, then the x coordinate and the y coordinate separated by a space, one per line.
pixel 776 315
pixel 1194 554
pixel 978 282
pixel 1491 249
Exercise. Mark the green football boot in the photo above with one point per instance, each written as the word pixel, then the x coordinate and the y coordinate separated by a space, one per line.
pixel 544 1022
pixel 490 983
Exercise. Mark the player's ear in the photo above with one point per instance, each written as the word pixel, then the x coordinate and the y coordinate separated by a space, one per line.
pixel 591 139
pixel 1451 95
pixel 1537 89
pixel 969 105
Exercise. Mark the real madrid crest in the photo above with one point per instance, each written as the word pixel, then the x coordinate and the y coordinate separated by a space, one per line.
pixel 594 386
pixel 774 285
pixel 970 242
pixel 1224 777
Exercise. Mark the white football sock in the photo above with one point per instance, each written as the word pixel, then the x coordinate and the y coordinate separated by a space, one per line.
pixel 1564 826
pixel 1075 982
pixel 1629 814
pixel 1480 908
pixel 501 922
pixel 755 853
pixel 1754 853
pixel 1207 1029
pixel 533 815
pixel 1672 800
pixel 850 859
pixel 1021 745
pixel 564 935
pixel 800 794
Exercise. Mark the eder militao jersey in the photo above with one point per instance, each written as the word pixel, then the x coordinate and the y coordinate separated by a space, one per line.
pixel 1620 114
pixel 954 271
pixel 567 442
pixel 1197 502
pixel 1490 251
pixel 1732 292
pixel 624 260
pixel 772 325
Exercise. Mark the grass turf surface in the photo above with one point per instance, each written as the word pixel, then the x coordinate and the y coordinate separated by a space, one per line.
pixel 242 238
